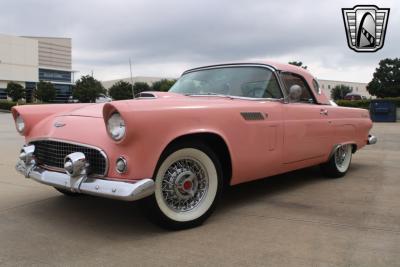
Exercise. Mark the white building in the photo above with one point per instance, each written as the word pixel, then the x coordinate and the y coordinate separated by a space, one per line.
pixel 358 88
pixel 28 60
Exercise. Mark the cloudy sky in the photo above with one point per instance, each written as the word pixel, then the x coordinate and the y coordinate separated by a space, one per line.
pixel 163 38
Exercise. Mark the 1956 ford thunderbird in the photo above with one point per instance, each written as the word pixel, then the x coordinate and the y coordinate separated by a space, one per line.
pixel 218 125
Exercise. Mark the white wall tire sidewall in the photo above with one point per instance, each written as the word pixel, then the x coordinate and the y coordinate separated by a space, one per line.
pixel 208 200
pixel 346 164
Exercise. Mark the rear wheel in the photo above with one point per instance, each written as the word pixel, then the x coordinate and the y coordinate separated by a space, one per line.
pixel 339 163
pixel 188 184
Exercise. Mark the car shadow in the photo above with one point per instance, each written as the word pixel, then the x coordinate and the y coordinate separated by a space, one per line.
pixel 105 217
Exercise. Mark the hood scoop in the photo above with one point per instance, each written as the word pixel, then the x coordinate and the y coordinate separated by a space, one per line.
pixel 146 95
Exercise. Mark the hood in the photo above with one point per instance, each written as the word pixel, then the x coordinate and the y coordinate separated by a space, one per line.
pixel 89 110
pixel 160 101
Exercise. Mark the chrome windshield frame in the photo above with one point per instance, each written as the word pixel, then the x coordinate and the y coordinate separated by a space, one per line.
pixel 235 65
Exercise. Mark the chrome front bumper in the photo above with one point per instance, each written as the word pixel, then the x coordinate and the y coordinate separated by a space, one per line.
pixel 86 185
pixel 372 140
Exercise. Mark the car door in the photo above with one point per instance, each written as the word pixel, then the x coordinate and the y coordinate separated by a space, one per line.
pixel 306 124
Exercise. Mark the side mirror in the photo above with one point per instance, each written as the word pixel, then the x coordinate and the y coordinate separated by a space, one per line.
pixel 295 92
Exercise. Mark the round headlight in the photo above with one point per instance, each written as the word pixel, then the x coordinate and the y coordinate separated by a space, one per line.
pixel 116 126
pixel 20 124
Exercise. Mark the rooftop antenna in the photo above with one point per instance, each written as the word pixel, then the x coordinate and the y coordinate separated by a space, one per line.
pixel 130 68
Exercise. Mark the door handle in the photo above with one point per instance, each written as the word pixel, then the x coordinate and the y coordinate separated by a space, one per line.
pixel 323 112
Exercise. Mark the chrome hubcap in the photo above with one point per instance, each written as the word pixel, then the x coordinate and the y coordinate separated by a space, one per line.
pixel 341 155
pixel 184 185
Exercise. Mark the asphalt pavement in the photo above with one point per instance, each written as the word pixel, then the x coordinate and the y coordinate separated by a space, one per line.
pixel 296 219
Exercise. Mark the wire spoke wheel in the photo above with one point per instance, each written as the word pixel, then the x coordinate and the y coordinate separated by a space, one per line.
pixel 184 185
pixel 188 184
pixel 343 157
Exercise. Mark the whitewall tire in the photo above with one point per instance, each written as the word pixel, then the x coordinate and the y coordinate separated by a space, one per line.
pixel 339 163
pixel 188 184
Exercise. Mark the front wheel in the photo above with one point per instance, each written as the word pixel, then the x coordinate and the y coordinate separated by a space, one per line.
pixel 339 163
pixel 188 184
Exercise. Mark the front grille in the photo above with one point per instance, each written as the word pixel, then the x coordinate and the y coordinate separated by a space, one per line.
pixel 51 154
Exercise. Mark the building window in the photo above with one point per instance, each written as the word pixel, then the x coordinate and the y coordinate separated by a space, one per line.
pixel 54 75
pixel 323 86
pixel 356 89
pixel 3 94
pixel 329 86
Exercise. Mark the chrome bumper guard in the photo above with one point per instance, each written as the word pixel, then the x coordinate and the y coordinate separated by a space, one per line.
pixel 87 185
pixel 372 140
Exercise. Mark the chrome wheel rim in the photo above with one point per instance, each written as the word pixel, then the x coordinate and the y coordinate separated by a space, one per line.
pixel 184 185
pixel 341 155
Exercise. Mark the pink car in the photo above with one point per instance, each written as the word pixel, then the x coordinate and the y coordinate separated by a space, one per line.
pixel 218 126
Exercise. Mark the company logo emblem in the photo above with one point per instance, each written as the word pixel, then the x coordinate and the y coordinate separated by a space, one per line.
pixel 365 27
pixel 59 124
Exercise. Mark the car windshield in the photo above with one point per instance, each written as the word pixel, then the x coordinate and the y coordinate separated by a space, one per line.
pixel 251 82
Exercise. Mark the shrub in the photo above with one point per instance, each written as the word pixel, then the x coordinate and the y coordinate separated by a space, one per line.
pixel 15 91
pixel 7 105
pixel 120 90
pixel 87 89
pixel 45 91
pixel 364 103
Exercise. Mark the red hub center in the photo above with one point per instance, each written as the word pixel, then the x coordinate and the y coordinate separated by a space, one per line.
pixel 187 185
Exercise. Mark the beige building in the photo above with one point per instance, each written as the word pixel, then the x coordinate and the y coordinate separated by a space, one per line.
pixel 28 60
pixel 358 88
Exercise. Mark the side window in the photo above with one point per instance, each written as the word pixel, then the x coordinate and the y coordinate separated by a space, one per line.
pixel 263 88
pixel 303 93
pixel 316 86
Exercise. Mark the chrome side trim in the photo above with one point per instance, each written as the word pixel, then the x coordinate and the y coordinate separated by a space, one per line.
pixel 82 184
pixel 372 139
pixel 102 152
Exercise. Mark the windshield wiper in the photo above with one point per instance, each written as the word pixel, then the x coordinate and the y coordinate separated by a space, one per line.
pixel 210 94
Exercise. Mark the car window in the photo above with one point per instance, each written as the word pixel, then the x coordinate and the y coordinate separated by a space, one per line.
pixel 291 79
pixel 316 86
pixel 252 82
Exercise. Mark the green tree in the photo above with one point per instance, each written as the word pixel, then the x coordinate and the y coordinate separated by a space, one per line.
pixel 386 79
pixel 340 91
pixel 15 91
pixel 45 91
pixel 163 85
pixel 298 64
pixel 87 89
pixel 139 87
pixel 120 90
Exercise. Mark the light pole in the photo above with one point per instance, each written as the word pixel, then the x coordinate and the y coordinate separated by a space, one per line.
pixel 130 68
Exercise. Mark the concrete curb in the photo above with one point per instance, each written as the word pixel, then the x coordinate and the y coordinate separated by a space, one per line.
pixel 4 111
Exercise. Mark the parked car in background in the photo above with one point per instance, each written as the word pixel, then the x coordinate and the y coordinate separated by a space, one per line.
pixel 218 125
pixel 102 98
pixel 351 96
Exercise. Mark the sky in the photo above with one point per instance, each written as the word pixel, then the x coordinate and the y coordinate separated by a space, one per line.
pixel 164 38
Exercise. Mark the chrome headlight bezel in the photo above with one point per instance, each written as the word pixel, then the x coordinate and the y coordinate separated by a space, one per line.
pixel 116 128
pixel 20 124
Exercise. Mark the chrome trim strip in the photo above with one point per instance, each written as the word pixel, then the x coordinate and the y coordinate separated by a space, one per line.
pixel 102 152
pixel 232 97
pixel 228 65
pixel 82 184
